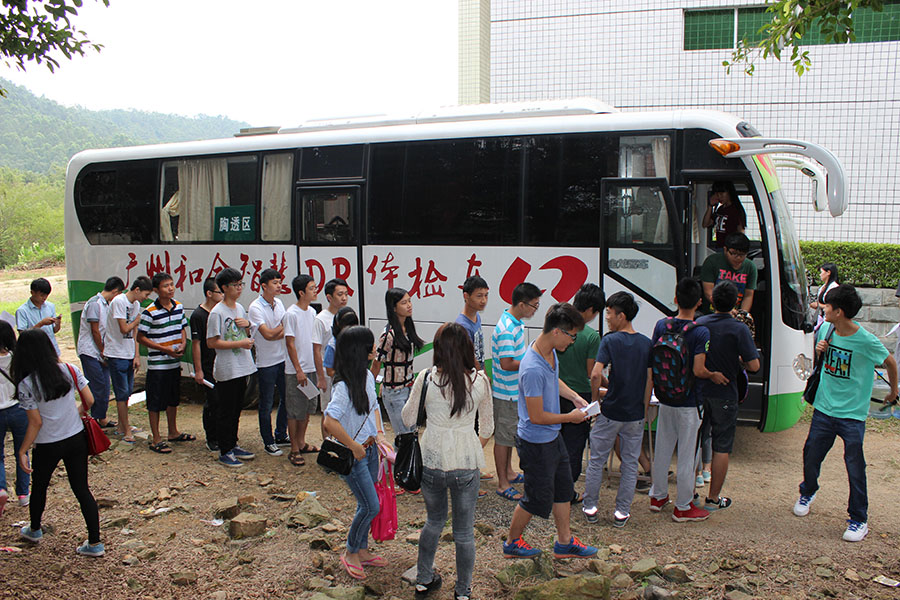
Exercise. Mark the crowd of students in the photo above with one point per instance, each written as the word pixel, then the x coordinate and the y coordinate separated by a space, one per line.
pixel 570 388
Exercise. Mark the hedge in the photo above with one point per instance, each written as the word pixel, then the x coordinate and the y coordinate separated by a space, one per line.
pixel 863 265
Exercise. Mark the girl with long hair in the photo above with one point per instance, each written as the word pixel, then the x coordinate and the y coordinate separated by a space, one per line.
pixel 12 418
pixel 830 278
pixel 452 453
pixel 396 349
pixel 352 418
pixel 46 390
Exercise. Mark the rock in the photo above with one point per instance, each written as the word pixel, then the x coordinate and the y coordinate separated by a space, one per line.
pixel 265 481
pixel 822 561
pixel 580 587
pixel 676 573
pixel 409 575
pixel 357 592
pixel 317 583
pixel 751 568
pixel 245 558
pixel 164 494
pixel 851 575
pixel 117 523
pixel 630 595
pixel 282 497
pixel 607 569
pixel 130 560
pixel 738 585
pixel 309 514
pixel 248 499
pixel 146 498
pixel 412 538
pixel 485 529
pixel 642 568
pixel 317 560
pixel 148 554
pixel 602 554
pixel 374 588
pixel 616 549
pixel 622 580
pixel 737 595
pixel 211 549
pixel 246 525
pixel 330 528
pixel 227 508
pixel 728 564
pixel 320 544
pixel 184 578
pixel 220 595
pixel 106 502
pixel 825 573
pixel 540 567
pixel 654 579
pixel 654 592
pixel 133 583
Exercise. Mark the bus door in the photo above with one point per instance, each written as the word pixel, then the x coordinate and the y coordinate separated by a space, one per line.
pixel 329 237
pixel 641 245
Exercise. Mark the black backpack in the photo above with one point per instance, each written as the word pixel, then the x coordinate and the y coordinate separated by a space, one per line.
pixel 670 360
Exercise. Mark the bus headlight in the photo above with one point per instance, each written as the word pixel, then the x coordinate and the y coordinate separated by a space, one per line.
pixel 803 367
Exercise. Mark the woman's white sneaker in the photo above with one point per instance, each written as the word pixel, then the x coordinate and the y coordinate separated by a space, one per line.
pixel 801 507
pixel 856 531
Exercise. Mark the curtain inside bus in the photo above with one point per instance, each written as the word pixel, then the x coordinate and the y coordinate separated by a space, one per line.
pixel 202 186
pixel 278 170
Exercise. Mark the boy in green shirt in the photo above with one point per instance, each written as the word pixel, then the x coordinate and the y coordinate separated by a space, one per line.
pixel 734 266
pixel 842 403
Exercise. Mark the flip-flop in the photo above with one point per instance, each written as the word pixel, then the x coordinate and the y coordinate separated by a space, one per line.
pixel 160 448
pixel 352 570
pixel 510 493
pixel 183 437
pixel 295 459
pixel 487 476
pixel 375 561
pixel 109 424
pixel 518 479
pixel 309 449
pixel 127 441
pixel 482 493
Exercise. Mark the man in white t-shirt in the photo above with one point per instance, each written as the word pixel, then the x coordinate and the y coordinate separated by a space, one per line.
pixel 300 368
pixel 119 349
pixel 266 314
pixel 90 347
pixel 337 293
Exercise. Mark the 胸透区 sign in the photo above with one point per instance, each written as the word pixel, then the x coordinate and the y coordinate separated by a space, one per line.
pixel 234 224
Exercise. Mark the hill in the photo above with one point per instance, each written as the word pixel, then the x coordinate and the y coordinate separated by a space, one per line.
pixel 40 135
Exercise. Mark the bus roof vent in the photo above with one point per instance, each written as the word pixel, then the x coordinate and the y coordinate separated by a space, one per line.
pixel 245 131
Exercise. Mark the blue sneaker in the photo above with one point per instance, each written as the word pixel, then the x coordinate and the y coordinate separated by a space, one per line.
pixel 229 460
pixel 242 454
pixel 87 549
pixel 519 548
pixel 574 549
pixel 31 535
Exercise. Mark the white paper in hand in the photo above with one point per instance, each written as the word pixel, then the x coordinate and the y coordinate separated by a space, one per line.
pixel 309 389
pixel 592 409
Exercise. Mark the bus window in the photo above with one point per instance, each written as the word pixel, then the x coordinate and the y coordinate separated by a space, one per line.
pixel 331 162
pixel 328 215
pixel 114 202
pixel 644 156
pixel 201 199
pixel 277 179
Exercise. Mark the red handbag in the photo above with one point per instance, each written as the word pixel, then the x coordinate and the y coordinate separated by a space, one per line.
pixel 97 441
pixel 384 525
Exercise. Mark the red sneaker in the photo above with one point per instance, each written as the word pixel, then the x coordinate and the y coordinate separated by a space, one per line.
pixel 657 505
pixel 691 514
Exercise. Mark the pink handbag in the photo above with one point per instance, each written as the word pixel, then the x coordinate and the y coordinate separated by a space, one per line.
pixel 384 525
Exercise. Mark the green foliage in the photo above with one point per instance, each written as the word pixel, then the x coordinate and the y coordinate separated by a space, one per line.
pixel 791 21
pixel 37 255
pixel 41 32
pixel 31 212
pixel 39 135
pixel 863 265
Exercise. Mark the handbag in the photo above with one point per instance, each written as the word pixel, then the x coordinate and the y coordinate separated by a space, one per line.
pixel 97 441
pixel 384 525
pixel 408 466
pixel 812 383
pixel 337 457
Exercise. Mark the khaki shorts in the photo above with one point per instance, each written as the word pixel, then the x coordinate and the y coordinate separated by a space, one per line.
pixel 296 404
pixel 506 422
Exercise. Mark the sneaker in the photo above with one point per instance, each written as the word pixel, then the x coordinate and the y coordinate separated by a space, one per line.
pixel 856 531
pixel 574 549
pixel 273 450
pixel 699 482
pixel 519 548
pixel 282 441
pixel 242 454
pixel 30 534
pixel 719 504
pixel 620 519
pixel 87 549
pixel 463 596
pixel 691 514
pixel 212 446
pixel 423 589
pixel 643 486
pixel 590 514
pixel 801 507
pixel 24 500
pixel 3 498
pixel 657 505
pixel 707 476
pixel 229 460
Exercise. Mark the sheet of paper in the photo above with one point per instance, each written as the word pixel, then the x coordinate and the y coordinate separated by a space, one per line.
pixel 592 409
pixel 889 333
pixel 207 383
pixel 309 389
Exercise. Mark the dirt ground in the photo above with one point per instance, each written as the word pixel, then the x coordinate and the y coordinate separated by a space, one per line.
pixel 757 545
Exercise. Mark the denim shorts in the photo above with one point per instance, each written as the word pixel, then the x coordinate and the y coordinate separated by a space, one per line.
pixel 121 372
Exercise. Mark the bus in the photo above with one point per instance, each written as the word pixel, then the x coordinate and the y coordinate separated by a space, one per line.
pixel 555 193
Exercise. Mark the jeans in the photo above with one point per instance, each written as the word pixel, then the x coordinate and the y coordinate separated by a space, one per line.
pixel 97 374
pixel 822 431
pixel 394 399
pixel 15 420
pixel 463 485
pixel 361 482
pixel 270 378
pixel 677 425
pixel 230 396
pixel 121 372
pixel 603 438
pixel 44 459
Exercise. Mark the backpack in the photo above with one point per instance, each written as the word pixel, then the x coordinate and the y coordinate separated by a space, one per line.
pixel 670 361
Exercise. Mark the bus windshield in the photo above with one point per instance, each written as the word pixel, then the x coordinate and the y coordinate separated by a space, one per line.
pixel 792 270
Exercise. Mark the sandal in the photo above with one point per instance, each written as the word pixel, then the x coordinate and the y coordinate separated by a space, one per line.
pixel 109 424
pixel 510 493
pixel 183 437
pixel 295 459
pixel 160 448
pixel 375 561
pixel 128 440
pixel 487 476
pixel 352 570
pixel 308 449
pixel 482 493
pixel 518 479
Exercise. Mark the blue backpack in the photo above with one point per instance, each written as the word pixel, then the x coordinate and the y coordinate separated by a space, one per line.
pixel 672 364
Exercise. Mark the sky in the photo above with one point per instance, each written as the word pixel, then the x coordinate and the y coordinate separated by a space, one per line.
pixel 266 62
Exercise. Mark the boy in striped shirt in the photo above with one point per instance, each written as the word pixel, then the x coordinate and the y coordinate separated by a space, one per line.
pixel 163 330
pixel 508 348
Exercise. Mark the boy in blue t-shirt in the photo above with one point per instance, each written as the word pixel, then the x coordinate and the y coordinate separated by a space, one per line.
pixel 542 451
pixel 475 295
pixel 678 425
pixel 842 403
pixel 623 406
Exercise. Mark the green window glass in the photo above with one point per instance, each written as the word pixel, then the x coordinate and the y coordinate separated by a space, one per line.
pixel 708 29
pixel 872 26
pixel 750 20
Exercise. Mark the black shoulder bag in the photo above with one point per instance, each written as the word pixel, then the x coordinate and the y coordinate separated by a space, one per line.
pixel 812 383
pixel 337 457
pixel 408 465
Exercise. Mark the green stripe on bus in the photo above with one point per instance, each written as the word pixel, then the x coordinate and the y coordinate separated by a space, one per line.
pixel 82 290
pixel 784 411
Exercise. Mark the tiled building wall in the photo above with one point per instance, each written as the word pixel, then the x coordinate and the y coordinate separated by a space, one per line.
pixel 474 51
pixel 631 54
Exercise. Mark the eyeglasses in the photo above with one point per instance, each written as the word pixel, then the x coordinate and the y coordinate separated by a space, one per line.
pixel 238 284
pixel 737 253
pixel 534 306
pixel 572 336
pixel 217 292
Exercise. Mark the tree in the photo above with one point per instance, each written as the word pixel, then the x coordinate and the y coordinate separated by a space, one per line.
pixel 791 20
pixel 39 31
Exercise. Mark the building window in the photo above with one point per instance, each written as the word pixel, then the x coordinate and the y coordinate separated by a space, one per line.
pixel 872 26
pixel 708 29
